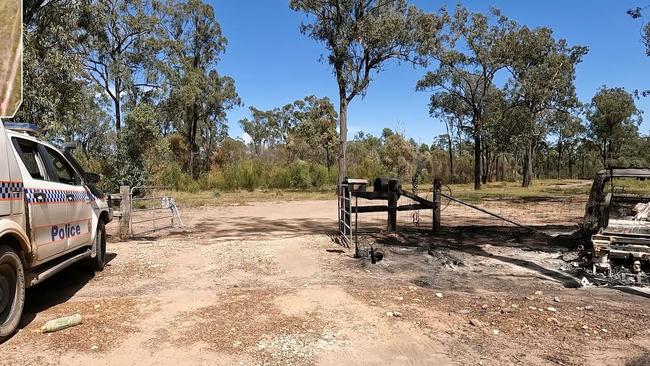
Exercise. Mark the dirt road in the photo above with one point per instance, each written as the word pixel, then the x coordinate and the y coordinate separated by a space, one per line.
pixel 265 284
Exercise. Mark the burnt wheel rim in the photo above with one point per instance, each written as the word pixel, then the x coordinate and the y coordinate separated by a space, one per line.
pixel 7 291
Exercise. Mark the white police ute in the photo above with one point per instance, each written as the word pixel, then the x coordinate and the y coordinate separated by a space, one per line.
pixel 51 216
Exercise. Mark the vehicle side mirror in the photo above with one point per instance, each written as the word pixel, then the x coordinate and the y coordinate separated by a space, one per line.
pixel 92 178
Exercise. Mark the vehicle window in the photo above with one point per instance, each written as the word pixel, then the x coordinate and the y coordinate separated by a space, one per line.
pixel 31 157
pixel 62 169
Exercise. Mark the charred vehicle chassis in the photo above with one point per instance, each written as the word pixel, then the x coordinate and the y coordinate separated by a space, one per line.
pixel 619 224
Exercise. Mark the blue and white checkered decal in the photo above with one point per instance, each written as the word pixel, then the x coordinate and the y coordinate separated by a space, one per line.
pixel 11 191
pixel 57 196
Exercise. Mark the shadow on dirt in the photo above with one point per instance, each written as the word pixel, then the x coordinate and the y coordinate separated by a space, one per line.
pixel 633 291
pixel 641 361
pixel 257 228
pixel 57 289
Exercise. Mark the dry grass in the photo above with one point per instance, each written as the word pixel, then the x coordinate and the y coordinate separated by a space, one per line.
pixel 561 335
pixel 213 198
pixel 541 189
pixel 248 320
pixel 106 323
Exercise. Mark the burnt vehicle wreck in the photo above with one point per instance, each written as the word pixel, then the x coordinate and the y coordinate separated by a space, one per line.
pixel 617 218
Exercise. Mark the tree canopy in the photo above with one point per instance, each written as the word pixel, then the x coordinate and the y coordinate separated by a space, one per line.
pixel 361 38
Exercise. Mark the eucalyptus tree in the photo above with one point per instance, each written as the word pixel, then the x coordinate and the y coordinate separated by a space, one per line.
pixel 259 128
pixel 197 97
pixel 543 74
pixel 470 58
pixel 457 119
pixel 315 130
pixel 613 118
pixel 116 39
pixel 362 37
pixel 570 132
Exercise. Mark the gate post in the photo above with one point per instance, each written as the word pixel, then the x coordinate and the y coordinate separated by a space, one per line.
pixel 392 211
pixel 437 186
pixel 125 211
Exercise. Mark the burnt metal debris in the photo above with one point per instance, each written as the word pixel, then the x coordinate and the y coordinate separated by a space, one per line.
pixel 618 222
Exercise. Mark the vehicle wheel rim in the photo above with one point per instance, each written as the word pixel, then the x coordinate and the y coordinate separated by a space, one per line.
pixel 7 290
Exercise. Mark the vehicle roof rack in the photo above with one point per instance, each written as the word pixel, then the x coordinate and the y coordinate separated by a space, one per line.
pixel 24 127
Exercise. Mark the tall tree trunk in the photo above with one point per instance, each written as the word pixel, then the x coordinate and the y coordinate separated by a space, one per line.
pixel 528 164
pixel 192 138
pixel 492 166
pixel 560 150
pixel 477 160
pixel 343 133
pixel 451 154
pixel 117 106
pixel 609 153
pixel 484 160
pixel 451 163
pixel 328 158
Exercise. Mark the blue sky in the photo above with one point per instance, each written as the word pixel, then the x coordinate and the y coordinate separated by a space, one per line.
pixel 273 64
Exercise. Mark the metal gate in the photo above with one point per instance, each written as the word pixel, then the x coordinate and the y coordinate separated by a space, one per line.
pixel 151 211
pixel 345 211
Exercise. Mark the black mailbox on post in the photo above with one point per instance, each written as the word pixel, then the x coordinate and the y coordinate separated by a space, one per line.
pixel 385 185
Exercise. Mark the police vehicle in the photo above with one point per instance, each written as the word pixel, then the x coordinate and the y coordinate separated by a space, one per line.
pixel 51 216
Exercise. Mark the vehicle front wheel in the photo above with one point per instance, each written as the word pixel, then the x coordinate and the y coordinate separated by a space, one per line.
pixel 100 247
pixel 12 291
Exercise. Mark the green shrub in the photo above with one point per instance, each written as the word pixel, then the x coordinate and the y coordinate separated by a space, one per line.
pixel 173 176
pixel 212 180
pixel 300 178
pixel 191 186
pixel 246 174
pixel 318 175
pixel 279 176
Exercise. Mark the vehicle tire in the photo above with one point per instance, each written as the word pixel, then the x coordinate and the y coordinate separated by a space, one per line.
pixel 100 248
pixel 12 291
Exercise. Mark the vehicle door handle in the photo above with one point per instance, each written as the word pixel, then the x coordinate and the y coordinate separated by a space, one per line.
pixel 39 196
pixel 69 196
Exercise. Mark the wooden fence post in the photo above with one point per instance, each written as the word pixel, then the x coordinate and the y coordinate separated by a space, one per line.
pixel 392 211
pixel 125 211
pixel 437 186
